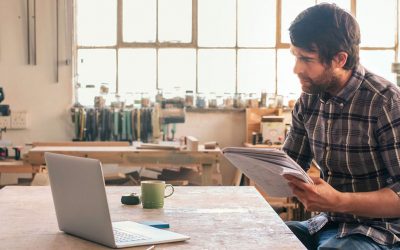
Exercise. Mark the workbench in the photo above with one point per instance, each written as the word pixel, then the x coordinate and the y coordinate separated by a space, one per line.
pixel 206 159
pixel 214 217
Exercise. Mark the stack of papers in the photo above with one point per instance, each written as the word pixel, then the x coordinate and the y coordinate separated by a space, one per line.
pixel 266 167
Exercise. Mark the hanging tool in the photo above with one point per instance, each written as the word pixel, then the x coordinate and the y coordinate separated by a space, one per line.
pixel 83 124
pixel 68 17
pixel 31 30
pixel 116 124
pixel 173 131
pixel 57 42
pixel 139 127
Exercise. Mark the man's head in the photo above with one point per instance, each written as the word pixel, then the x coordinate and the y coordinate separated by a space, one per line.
pixel 325 41
pixel 328 30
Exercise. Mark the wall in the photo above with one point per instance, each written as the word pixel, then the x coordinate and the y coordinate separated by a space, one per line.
pixel 33 88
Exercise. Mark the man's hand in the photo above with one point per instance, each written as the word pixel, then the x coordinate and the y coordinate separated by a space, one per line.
pixel 320 197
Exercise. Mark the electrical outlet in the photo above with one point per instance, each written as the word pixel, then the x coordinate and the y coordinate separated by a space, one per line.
pixel 18 119
pixel 5 122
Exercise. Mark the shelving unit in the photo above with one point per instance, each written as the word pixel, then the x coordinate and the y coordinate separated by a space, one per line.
pixel 253 119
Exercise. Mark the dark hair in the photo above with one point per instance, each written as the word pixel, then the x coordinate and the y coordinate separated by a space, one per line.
pixel 327 29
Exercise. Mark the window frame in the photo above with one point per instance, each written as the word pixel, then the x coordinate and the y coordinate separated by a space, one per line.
pixel 279 45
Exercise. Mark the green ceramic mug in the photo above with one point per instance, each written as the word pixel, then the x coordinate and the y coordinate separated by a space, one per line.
pixel 153 193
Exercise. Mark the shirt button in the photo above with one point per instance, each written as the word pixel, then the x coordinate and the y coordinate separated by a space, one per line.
pixel 341 105
pixel 327 148
pixel 329 121
pixel 329 173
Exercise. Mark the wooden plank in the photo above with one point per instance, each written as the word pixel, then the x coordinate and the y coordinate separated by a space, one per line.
pixel 36 157
pixel 158 146
pixel 114 176
pixel 177 182
pixel 19 169
pixel 192 143
pixel 130 156
pixel 81 143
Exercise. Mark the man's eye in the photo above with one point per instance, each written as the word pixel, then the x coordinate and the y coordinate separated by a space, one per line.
pixel 306 59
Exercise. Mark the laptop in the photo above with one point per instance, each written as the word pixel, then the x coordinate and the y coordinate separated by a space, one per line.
pixel 80 201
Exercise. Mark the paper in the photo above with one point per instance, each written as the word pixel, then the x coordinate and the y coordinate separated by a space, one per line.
pixel 266 168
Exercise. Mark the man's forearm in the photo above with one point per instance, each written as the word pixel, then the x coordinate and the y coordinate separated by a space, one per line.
pixel 383 203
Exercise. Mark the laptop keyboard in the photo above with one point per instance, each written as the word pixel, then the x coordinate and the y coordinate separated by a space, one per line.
pixel 123 236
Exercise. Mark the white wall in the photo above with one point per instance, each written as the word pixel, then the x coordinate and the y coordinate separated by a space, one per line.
pixel 33 88
pixel 228 129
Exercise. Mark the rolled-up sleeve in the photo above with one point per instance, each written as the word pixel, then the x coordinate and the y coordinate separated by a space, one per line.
pixel 297 144
pixel 395 187
pixel 388 133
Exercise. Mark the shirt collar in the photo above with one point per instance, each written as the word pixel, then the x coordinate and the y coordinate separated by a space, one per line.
pixel 349 90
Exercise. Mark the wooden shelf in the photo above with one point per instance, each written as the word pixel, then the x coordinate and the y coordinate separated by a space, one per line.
pixel 253 119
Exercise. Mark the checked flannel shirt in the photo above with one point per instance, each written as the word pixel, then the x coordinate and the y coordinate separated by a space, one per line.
pixel 355 138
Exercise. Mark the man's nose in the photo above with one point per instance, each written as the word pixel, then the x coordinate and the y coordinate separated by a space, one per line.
pixel 297 69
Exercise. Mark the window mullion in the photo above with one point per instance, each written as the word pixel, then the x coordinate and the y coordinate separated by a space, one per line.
pixel 353 7
pixel 278 39
pixel 157 47
pixel 119 40
pixel 396 38
pixel 236 47
pixel 195 39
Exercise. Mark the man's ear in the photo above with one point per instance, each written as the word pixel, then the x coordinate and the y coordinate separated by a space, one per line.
pixel 340 59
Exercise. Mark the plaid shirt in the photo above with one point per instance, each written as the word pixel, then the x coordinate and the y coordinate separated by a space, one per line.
pixel 355 138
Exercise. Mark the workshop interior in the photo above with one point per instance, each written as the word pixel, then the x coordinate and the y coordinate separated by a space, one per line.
pixel 156 90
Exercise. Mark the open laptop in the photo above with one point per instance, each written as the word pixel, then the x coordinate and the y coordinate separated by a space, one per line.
pixel 80 201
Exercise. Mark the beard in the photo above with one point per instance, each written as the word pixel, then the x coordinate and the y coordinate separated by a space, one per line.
pixel 326 82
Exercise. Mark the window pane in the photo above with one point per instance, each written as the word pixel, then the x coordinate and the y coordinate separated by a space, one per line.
pixel 256 70
pixel 177 69
pixel 86 95
pixel 379 62
pixel 175 21
pixel 344 4
pixel 287 81
pixel 216 70
pixel 139 20
pixel 256 23
pixel 380 30
pixel 99 27
pixel 95 67
pixel 217 22
pixel 137 70
pixel 290 9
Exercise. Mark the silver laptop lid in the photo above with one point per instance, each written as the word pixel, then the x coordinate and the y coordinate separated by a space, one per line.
pixel 79 197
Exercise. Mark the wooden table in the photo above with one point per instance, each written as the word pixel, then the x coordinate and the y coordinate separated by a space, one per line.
pixel 12 166
pixel 131 156
pixel 214 218
pixel 17 167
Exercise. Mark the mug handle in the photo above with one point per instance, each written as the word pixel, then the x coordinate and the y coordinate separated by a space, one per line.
pixel 172 189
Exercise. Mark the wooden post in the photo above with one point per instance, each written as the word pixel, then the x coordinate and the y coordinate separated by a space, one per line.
pixel 192 143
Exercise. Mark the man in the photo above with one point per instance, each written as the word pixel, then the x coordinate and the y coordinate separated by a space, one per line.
pixel 348 120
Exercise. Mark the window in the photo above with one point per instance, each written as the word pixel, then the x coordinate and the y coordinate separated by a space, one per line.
pixel 207 46
pixel 139 21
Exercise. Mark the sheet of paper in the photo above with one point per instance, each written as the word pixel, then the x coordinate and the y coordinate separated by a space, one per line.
pixel 266 169
pixel 269 179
